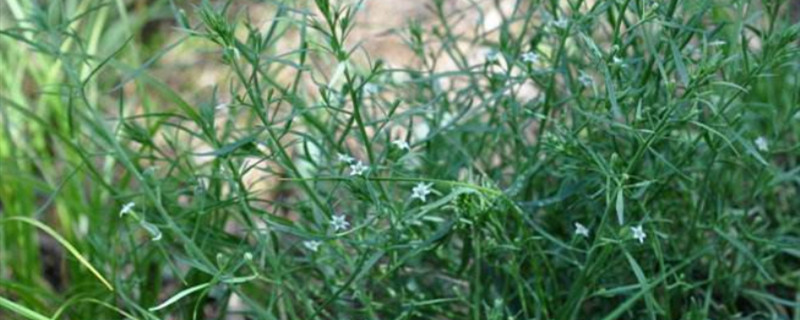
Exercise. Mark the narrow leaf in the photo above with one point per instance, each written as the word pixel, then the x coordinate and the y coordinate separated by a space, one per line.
pixel 180 295
pixel 620 206
pixel 21 310
pixel 66 245
pixel 679 65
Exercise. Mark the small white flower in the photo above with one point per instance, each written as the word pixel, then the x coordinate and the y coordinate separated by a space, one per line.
pixel 585 79
pixel 617 61
pixel 530 57
pixel 344 158
pixel 358 169
pixel 371 88
pixel 638 233
pixel 421 191
pixel 561 23
pixel 248 256
pixel 312 245
pixel 127 208
pixel 447 119
pixel 762 144
pixel 339 223
pixel 492 56
pixel 581 230
pixel 401 144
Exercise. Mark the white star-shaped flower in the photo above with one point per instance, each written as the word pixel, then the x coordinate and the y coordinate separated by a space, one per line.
pixel 421 191
pixel 341 157
pixel 339 223
pixel 561 23
pixel 617 61
pixel 585 79
pixel 530 57
pixel 312 245
pixel 127 208
pixel 638 233
pixel 447 119
pixel 371 88
pixel 358 169
pixel 581 230
pixel 401 144
pixel 762 144
pixel 492 56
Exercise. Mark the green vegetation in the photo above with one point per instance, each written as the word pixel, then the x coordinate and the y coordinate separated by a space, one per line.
pixel 609 159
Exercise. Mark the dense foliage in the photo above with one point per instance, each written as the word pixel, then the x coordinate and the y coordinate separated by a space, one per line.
pixel 569 160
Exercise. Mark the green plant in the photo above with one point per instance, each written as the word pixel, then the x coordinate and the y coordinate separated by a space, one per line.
pixel 584 159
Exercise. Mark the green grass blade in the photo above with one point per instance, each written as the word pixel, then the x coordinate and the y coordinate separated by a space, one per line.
pixel 649 286
pixel 72 250
pixel 21 310
pixel 180 295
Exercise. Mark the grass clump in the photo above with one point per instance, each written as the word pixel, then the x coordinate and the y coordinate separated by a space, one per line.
pixel 523 160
